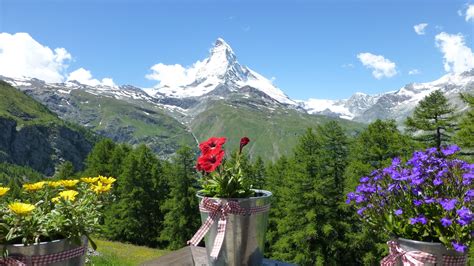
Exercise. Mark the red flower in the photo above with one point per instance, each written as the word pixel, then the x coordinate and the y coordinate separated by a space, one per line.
pixel 210 161
pixel 212 144
pixel 243 141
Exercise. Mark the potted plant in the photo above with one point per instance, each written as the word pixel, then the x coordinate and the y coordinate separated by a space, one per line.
pixel 425 204
pixel 234 215
pixel 50 222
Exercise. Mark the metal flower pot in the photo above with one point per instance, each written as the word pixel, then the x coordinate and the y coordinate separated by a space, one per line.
pixel 54 250
pixel 244 239
pixel 437 249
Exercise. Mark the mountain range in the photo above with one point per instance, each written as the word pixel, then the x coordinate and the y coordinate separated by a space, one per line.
pixel 219 96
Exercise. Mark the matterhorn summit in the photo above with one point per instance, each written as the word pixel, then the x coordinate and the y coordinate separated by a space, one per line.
pixel 220 69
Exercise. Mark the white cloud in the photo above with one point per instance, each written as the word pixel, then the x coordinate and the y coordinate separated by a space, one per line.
pixel 348 65
pixel 381 66
pixel 84 76
pixel 414 72
pixel 173 75
pixel 420 28
pixel 457 56
pixel 22 56
pixel 470 13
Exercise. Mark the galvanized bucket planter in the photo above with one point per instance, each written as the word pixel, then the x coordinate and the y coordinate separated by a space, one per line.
pixel 442 254
pixel 244 235
pixel 62 252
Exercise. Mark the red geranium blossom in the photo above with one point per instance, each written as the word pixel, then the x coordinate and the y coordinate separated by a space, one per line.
pixel 243 141
pixel 210 161
pixel 212 144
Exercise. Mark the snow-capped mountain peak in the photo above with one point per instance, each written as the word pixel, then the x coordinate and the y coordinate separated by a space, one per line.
pixel 221 68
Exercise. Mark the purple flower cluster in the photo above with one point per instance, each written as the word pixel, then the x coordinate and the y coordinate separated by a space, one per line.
pixel 432 192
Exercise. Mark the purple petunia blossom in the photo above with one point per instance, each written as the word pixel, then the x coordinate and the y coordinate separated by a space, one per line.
pixel 448 204
pixel 364 179
pixel 446 222
pixel 396 162
pixel 459 247
pixel 437 181
pixel 469 195
pixel 467 178
pixel 420 219
pixel 450 150
pixel 465 216
pixel 360 199
pixel 398 212
pixel 361 211
pixel 417 202
pixel 429 200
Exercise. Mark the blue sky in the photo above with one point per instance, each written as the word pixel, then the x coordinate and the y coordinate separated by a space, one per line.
pixel 310 48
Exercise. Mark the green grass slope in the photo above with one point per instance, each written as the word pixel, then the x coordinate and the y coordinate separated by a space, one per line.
pixel 272 134
pixel 116 253
pixel 20 107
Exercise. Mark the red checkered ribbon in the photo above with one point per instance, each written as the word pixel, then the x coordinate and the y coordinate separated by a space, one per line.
pixel 218 210
pixel 454 260
pixel 44 259
pixel 417 258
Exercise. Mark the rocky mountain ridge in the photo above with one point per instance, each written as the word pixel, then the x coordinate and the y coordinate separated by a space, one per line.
pixel 395 105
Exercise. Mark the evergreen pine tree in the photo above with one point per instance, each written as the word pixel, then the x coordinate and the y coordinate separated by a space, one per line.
pixel 279 175
pixel 302 204
pixel 182 214
pixel 258 174
pixel 98 162
pixel 433 120
pixel 141 189
pixel 65 170
pixel 465 136
pixel 375 147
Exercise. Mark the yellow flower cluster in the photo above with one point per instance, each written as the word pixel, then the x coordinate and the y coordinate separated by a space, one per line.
pixel 55 183
pixel 4 190
pixel 90 180
pixel 99 184
pixel 34 186
pixel 21 208
pixel 69 195
pixel 69 183
pixel 107 180
pixel 101 187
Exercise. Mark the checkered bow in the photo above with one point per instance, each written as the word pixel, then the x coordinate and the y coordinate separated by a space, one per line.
pixel 217 209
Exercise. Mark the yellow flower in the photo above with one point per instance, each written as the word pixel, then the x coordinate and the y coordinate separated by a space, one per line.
pixel 101 188
pixel 68 194
pixel 55 183
pixel 69 183
pixel 90 179
pixel 34 186
pixel 21 208
pixel 3 190
pixel 55 199
pixel 107 180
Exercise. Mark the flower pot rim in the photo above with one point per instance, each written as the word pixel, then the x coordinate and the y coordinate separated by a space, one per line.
pixel 419 242
pixel 40 243
pixel 266 194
